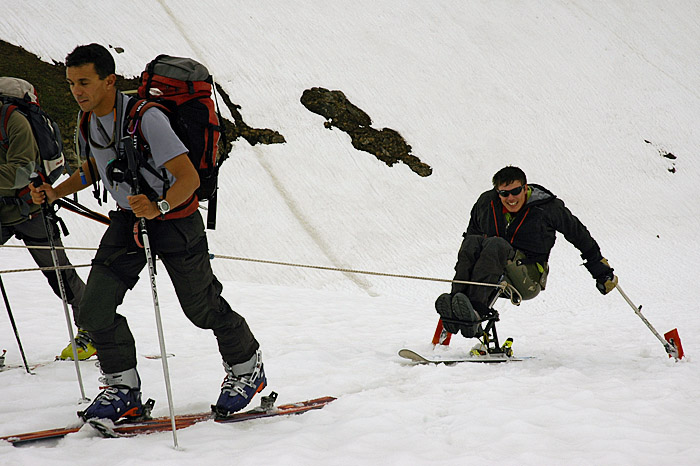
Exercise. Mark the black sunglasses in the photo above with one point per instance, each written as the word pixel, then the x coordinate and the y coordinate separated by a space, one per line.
pixel 508 192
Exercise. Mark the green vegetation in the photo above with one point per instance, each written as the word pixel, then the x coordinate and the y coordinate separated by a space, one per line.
pixel 49 80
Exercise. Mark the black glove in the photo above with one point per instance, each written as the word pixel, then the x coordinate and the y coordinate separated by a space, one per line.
pixel 607 283
pixel 605 279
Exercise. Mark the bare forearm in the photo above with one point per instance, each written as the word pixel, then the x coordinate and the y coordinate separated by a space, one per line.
pixel 186 182
pixel 181 190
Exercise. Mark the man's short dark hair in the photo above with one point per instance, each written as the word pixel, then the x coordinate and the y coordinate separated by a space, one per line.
pixel 507 175
pixel 95 54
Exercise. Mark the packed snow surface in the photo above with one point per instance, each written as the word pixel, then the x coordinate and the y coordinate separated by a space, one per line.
pixel 586 97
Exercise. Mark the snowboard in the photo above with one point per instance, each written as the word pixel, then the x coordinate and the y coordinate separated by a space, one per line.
pixel 456 359
pixel 125 428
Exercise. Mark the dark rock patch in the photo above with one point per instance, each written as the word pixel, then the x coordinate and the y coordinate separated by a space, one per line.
pixel 665 154
pixel 385 144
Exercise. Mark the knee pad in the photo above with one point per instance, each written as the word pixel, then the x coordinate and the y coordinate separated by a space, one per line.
pixel 526 278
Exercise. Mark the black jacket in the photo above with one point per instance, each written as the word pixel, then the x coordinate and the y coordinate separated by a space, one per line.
pixel 533 229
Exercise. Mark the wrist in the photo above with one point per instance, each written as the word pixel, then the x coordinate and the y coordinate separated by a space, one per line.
pixel 163 206
pixel 598 268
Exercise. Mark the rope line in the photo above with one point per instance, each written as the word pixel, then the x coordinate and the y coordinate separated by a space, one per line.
pixel 20 246
pixel 43 269
pixel 503 286
pixel 365 272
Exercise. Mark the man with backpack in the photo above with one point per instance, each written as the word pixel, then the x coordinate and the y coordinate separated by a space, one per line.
pixel 175 233
pixel 19 216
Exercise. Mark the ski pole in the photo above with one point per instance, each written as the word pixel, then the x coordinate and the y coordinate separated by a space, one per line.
pixel 672 348
pixel 130 149
pixel 79 209
pixel 14 327
pixel 46 213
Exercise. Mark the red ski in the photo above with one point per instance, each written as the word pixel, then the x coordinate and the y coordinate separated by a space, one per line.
pixel 163 424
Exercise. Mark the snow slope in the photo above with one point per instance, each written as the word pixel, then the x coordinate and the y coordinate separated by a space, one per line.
pixel 567 90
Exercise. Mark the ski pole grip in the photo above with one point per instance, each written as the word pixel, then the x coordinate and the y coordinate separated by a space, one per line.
pixel 36 179
pixel 127 150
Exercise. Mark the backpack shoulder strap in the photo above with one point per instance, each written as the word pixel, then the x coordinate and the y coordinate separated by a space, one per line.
pixel 132 122
pixel 83 122
pixel 134 113
pixel 131 107
pixel 82 140
pixel 135 110
pixel 5 113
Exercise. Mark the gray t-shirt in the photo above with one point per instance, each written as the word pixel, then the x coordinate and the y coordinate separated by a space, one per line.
pixel 162 140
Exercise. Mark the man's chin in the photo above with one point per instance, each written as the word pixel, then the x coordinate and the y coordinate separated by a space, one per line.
pixel 85 106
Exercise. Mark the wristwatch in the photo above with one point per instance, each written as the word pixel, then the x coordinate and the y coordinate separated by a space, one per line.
pixel 163 206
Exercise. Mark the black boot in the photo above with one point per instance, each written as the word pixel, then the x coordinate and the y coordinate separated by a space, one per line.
pixel 443 306
pixel 463 310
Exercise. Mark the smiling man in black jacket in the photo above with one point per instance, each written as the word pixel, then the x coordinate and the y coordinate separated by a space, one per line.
pixel 511 232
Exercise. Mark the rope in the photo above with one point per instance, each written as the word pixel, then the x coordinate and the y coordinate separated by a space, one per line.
pixel 365 272
pixel 503 286
pixel 42 269
pixel 46 247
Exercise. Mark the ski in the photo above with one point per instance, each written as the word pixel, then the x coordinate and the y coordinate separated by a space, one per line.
pixel 158 356
pixel 163 424
pixel 32 366
pixel 456 359
pixel 7 367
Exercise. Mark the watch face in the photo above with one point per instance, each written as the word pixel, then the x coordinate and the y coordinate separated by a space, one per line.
pixel 163 206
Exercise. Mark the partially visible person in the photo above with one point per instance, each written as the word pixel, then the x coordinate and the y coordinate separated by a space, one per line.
pixel 19 217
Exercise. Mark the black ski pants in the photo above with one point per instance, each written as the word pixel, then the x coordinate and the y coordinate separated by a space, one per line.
pixel 181 244
pixel 480 259
pixel 32 232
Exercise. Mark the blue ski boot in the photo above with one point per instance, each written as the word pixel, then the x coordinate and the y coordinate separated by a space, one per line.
pixel 120 397
pixel 242 382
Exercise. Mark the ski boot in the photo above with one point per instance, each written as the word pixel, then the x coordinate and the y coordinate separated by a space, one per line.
pixel 480 349
pixel 120 398
pixel 84 345
pixel 463 310
pixel 507 347
pixel 443 306
pixel 242 382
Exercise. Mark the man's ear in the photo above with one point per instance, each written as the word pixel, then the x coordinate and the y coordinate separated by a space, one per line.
pixel 111 80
